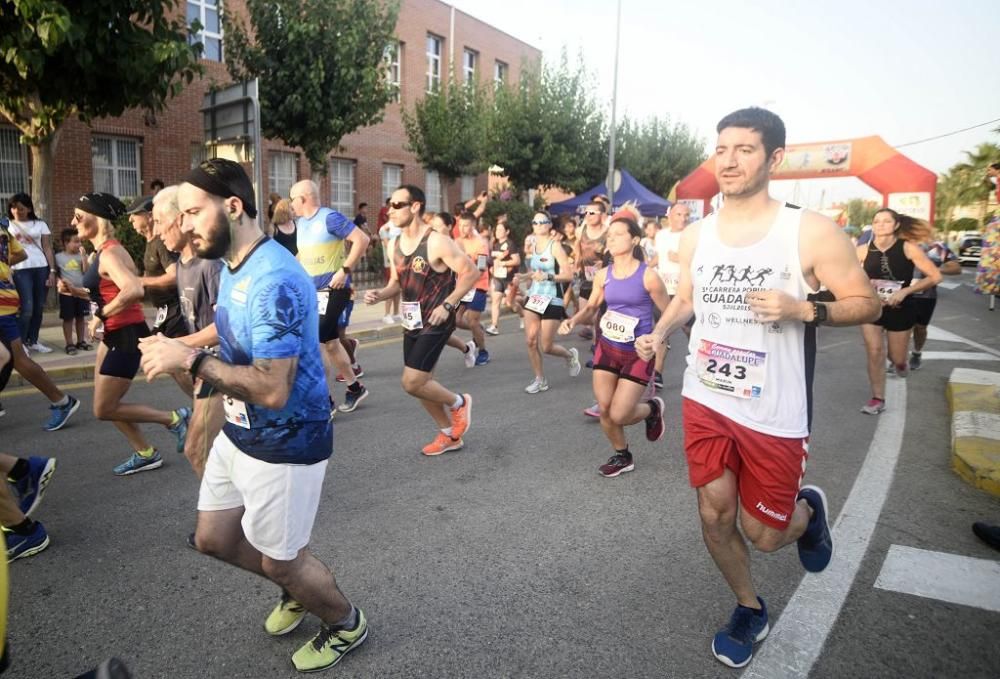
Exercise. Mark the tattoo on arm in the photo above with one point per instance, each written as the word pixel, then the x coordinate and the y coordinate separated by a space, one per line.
pixel 260 383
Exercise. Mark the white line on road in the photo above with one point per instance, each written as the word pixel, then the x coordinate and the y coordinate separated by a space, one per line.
pixel 958 356
pixel 936 333
pixel 946 577
pixel 948 285
pixel 798 637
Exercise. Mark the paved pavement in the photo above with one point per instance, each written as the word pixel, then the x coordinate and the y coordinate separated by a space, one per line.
pixel 513 558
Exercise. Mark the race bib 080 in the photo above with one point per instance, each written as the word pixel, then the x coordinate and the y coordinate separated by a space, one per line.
pixel 618 327
pixel 731 370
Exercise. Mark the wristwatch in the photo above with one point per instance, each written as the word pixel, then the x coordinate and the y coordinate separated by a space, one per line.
pixel 449 307
pixel 819 314
pixel 346 269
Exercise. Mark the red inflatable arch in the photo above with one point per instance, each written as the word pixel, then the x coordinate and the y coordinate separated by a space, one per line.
pixel 905 186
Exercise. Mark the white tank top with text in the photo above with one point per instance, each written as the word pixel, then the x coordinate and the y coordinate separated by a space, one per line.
pixel 750 372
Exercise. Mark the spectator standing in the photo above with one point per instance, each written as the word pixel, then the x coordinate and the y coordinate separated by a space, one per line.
pixel 73 307
pixel 35 275
pixel 387 234
pixel 283 226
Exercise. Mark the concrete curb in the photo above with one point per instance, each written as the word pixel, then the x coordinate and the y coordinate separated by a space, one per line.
pixel 974 397
pixel 86 372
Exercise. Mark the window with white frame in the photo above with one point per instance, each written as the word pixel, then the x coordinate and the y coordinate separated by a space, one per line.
pixel 342 186
pixel 13 164
pixel 432 189
pixel 393 68
pixel 468 186
pixel 392 179
pixel 116 165
pixel 209 14
pixel 500 72
pixel 470 63
pixel 282 172
pixel 434 44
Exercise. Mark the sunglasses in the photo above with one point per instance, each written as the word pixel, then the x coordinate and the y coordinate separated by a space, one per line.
pixel 400 205
pixel 541 221
pixel 591 212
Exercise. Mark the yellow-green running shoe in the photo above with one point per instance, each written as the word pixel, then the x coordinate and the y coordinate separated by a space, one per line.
pixel 330 645
pixel 285 617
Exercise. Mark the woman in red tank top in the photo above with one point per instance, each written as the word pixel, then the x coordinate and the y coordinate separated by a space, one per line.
pixel 116 299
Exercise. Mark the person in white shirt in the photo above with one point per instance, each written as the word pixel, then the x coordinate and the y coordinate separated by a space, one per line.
pixel 388 233
pixel 35 275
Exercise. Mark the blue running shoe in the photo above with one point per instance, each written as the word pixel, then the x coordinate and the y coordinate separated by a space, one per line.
pixel 733 644
pixel 816 544
pixel 61 414
pixel 483 357
pixel 26 545
pixel 138 463
pixel 180 430
pixel 352 399
pixel 31 488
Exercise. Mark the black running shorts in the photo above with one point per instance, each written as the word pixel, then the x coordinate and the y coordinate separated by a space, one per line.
pixel 123 357
pixel 898 319
pixel 422 348
pixel 923 307
pixel 329 328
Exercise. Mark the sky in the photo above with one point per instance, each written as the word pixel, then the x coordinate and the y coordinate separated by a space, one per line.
pixel 905 71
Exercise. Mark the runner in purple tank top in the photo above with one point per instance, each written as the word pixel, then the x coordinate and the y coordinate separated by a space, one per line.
pixel 621 377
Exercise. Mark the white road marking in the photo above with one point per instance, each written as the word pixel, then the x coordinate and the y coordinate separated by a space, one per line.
pixel 958 356
pixel 946 577
pixel 798 636
pixel 948 285
pixel 936 333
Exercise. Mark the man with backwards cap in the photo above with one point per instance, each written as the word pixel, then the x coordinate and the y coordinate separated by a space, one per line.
pixel 264 474
pixel 159 266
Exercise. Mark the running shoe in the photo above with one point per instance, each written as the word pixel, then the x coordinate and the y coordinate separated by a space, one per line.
pixel 890 369
pixel 31 488
pixel 816 544
pixel 483 357
pixel 590 363
pixel 137 463
pixel 112 668
pixel 538 384
pixel 358 370
pixel 3 411
pixel 191 544
pixel 733 644
pixel 352 399
pixel 19 546
pixel 987 533
pixel 654 423
pixel 491 330
pixel 461 418
pixel 915 360
pixel 180 430
pixel 330 645
pixel 873 407
pixel 470 354
pixel 59 415
pixel 593 411
pixel 616 464
pixel 658 380
pixel 574 362
pixel 388 320
pixel 442 443
pixel 520 324
pixel 902 371
pixel 354 348
pixel 585 332
pixel 285 617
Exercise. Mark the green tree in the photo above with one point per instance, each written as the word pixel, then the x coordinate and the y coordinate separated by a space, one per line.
pixel 446 130
pixel 657 152
pixel 549 129
pixel 321 65
pixel 966 183
pixel 88 60
pixel 860 212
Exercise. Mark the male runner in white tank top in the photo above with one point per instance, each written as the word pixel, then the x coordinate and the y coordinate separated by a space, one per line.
pixel 745 273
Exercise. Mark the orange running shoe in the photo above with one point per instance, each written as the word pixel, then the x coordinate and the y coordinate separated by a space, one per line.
pixel 461 419
pixel 443 444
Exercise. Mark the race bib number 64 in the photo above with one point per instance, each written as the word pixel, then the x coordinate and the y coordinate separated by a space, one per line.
pixel 731 370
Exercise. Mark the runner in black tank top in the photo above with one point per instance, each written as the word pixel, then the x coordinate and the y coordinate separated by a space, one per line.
pixel 433 274
pixel 889 261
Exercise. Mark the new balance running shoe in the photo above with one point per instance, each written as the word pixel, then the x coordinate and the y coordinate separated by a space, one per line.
pixel 328 647
pixel 285 617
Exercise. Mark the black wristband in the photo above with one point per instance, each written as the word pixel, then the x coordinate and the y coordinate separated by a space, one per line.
pixel 196 363
pixel 99 315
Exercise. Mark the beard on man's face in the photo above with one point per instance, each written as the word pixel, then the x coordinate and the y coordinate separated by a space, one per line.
pixel 216 243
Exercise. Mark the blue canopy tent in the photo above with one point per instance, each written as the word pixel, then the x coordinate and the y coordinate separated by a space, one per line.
pixel 626 188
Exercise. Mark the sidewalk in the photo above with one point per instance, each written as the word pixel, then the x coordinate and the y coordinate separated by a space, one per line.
pixel 974 397
pixel 366 325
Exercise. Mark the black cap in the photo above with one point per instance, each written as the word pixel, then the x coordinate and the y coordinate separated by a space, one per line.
pixel 140 204
pixel 103 205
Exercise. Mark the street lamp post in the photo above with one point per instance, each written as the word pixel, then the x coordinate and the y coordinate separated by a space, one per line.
pixel 614 103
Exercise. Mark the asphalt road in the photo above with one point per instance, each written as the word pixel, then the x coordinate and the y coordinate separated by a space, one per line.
pixel 512 558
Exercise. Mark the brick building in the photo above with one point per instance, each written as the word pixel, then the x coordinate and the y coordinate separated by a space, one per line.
pixel 124 155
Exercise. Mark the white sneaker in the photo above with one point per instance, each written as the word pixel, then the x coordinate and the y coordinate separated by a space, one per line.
pixel 538 384
pixel 470 354
pixel 491 330
pixel 388 320
pixel 41 348
pixel 521 324
pixel 574 362
pixel 397 318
